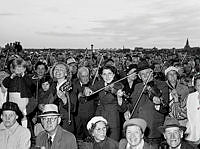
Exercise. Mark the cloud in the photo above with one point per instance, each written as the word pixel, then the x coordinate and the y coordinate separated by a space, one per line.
pixel 8 14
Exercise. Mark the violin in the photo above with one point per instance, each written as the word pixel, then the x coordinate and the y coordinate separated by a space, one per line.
pixel 65 87
pixel 153 90
pixel 113 88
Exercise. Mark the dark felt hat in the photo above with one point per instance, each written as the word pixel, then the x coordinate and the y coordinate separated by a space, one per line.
pixel 170 122
pixel 13 107
pixel 143 64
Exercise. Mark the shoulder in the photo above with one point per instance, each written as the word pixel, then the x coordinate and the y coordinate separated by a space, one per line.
pixel 67 134
pixel 41 135
pixel 146 145
pixel 192 95
pixel 112 142
pixel 185 145
pixel 22 131
pixel 160 83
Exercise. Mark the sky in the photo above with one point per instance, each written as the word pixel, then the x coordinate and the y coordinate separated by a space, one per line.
pixel 103 23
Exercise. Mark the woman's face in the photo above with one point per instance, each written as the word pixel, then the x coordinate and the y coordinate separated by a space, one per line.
pixel 172 76
pixel 107 75
pixel 99 132
pixel 60 71
pixel 134 135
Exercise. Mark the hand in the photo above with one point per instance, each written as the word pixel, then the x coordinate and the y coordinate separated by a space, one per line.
pixel 156 100
pixel 174 94
pixel 87 91
pixel 80 95
pixel 13 75
pixel 41 107
pixel 127 115
pixel 62 96
pixel 120 93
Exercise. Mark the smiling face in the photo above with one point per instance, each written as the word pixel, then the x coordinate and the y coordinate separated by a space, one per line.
pixel 172 76
pixel 134 135
pixel 60 71
pixel 107 75
pixel 173 136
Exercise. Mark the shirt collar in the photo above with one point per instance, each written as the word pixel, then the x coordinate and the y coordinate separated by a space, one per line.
pixel 11 129
pixel 139 146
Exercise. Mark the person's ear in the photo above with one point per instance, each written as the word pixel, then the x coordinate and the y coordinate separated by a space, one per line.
pixel 164 136
pixel 59 120
pixel 181 133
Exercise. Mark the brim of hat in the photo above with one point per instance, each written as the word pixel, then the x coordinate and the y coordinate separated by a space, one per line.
pixel 49 114
pixel 147 67
pixel 162 128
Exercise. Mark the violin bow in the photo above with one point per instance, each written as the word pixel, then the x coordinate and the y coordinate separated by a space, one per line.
pixel 99 65
pixel 7 54
pixel 138 100
pixel 111 84
pixel 183 58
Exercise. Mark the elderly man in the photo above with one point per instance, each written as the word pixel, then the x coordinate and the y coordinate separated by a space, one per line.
pixel 177 95
pixel 134 131
pixel 13 135
pixel 173 133
pixel 149 101
pixel 86 106
pixel 54 137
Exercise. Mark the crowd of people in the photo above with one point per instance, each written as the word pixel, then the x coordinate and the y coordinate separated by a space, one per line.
pixel 99 100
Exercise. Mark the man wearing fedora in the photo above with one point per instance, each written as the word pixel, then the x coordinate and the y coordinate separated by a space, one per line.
pixel 134 132
pixel 149 101
pixel 54 136
pixel 13 135
pixel 173 133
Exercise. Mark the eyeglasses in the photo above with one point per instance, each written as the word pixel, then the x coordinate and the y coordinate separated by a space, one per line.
pixel 100 129
pixel 52 119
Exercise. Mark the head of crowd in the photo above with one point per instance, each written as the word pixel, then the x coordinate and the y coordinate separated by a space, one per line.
pixel 89 97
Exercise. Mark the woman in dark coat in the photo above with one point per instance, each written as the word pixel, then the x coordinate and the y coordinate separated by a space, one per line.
pixel 108 103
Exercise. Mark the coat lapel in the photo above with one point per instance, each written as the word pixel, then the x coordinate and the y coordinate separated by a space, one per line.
pixel 57 139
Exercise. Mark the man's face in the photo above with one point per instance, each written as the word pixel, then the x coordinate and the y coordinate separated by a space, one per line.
pixel 9 118
pixel 134 135
pixel 145 74
pixel 84 77
pixel 40 70
pixel 50 123
pixel 173 136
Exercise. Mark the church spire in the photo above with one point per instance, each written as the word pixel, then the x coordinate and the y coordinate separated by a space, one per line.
pixel 187 46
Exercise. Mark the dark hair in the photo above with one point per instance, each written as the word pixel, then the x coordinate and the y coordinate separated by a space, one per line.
pixel 41 63
pixel 111 68
pixel 46 79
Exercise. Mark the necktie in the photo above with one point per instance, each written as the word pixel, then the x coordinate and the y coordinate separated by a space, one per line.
pixel 49 142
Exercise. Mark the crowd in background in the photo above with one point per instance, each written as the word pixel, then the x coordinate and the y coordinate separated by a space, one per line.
pixel 112 87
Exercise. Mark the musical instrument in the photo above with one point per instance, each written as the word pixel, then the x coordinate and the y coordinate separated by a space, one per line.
pixel 66 87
